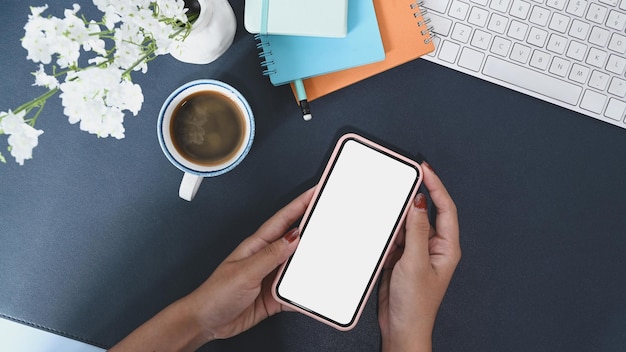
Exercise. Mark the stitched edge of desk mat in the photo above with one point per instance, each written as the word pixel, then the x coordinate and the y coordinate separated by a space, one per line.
pixel 54 331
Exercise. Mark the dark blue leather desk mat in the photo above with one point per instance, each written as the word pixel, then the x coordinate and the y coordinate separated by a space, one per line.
pixel 94 240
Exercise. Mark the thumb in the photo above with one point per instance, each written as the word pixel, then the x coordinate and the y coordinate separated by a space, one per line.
pixel 417 229
pixel 263 262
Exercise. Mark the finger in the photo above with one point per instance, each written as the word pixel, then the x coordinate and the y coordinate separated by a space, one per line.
pixel 274 227
pixel 266 260
pixel 400 237
pixel 445 247
pixel 278 224
pixel 417 229
pixel 383 288
pixel 447 223
pixel 395 253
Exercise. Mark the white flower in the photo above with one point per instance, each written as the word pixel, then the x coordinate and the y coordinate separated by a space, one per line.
pixel 94 43
pixel 128 50
pixel 44 80
pixel 172 9
pixel 102 120
pixel 128 96
pixel 37 10
pixel 36 40
pixel 22 137
pixel 45 37
pixel 74 27
pixel 97 97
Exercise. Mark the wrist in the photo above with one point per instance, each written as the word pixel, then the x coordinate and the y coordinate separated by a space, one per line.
pixel 415 340
pixel 175 328
pixel 423 345
pixel 189 315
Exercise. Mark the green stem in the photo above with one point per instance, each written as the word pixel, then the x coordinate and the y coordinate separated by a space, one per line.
pixel 36 102
pixel 137 63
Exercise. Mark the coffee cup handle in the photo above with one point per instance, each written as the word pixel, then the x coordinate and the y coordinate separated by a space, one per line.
pixel 189 186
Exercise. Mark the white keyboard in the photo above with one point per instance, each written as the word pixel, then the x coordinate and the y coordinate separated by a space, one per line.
pixel 568 52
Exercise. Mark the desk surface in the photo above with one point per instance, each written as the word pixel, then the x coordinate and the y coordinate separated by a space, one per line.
pixel 94 240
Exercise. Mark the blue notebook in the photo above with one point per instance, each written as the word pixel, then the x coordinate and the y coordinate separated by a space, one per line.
pixel 288 58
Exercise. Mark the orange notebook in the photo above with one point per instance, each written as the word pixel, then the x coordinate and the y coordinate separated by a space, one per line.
pixel 405 35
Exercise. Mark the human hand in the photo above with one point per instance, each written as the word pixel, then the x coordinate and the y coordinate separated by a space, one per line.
pixel 237 295
pixel 418 270
pixel 233 299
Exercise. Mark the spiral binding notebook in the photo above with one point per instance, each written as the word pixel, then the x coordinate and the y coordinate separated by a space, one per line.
pixel 406 36
pixel 288 58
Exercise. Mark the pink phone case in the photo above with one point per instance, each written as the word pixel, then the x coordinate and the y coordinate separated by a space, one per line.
pixel 309 210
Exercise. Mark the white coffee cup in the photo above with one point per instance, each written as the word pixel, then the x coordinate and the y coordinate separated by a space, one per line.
pixel 205 128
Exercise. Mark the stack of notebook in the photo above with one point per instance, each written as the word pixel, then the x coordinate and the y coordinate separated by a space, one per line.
pixel 325 45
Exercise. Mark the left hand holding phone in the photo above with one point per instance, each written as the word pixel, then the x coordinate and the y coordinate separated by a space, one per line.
pixel 234 298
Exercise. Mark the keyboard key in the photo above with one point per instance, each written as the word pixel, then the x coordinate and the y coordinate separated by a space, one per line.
pixel 593 101
pixel 498 23
pixel 539 16
pixel 556 4
pixel 441 25
pixel 500 46
pixel 459 10
pixel 576 7
pixel 596 13
pixel 480 2
pixel 618 43
pixel 481 39
pixel 436 41
pixel 610 2
pixel 537 37
pixel 449 51
pixel 540 60
pixel 559 22
pixel 520 53
pixel 517 30
pixel 557 44
pixel 461 32
pixel 579 29
pixel 615 109
pixel 618 87
pixel 599 36
pixel 579 73
pixel 596 57
pixel 534 81
pixel 599 80
pixel 559 66
pixel 471 59
pixel 478 16
pixel 576 50
pixel 437 5
pixel 520 9
pixel 616 64
pixel 500 5
pixel 622 5
pixel 616 21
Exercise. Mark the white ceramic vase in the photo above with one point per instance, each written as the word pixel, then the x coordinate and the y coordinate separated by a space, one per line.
pixel 211 34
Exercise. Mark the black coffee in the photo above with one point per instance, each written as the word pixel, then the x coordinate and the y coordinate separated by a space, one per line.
pixel 207 128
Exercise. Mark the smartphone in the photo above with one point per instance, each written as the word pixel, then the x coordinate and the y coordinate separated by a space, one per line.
pixel 356 212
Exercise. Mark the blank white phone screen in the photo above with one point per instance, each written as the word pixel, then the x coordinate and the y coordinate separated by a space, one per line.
pixel 347 233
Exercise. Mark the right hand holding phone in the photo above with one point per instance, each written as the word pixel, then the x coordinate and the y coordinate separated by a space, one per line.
pixel 418 271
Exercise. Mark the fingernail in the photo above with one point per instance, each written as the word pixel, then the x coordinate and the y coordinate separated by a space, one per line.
pixel 428 166
pixel 420 201
pixel 292 235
